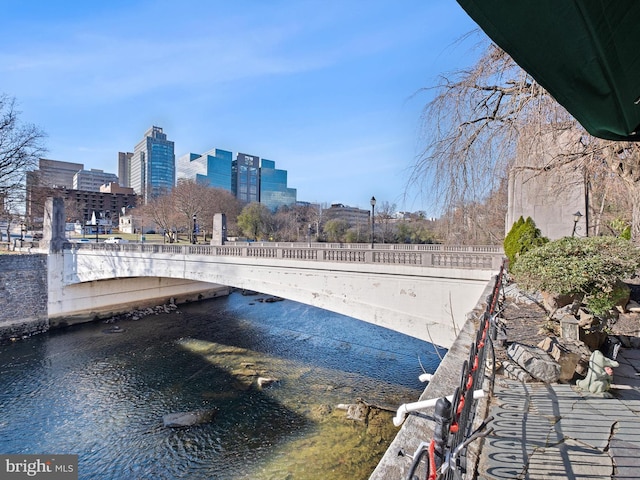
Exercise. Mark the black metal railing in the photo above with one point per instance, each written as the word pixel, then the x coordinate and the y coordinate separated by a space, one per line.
pixel 445 455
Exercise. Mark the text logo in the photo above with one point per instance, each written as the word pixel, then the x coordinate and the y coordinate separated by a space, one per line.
pixel 49 467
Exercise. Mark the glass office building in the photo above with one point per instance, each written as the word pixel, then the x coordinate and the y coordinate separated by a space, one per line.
pixel 153 165
pixel 249 178
pixel 212 168
pixel 274 192
pixel 246 178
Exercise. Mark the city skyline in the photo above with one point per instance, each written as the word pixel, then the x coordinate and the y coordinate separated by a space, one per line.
pixel 330 91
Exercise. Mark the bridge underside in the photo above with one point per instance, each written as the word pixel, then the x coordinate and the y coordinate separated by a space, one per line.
pixel 426 303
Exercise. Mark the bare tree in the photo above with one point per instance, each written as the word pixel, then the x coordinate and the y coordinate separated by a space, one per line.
pixel 21 145
pixel 162 212
pixel 189 198
pixel 485 120
pixel 385 221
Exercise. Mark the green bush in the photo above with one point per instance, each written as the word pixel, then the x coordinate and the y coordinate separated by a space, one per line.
pixel 583 266
pixel 523 236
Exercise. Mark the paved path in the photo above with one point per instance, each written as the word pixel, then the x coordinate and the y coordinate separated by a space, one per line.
pixel 557 432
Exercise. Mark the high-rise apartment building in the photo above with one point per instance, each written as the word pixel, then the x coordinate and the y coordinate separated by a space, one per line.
pixel 153 165
pixel 92 180
pixel 212 168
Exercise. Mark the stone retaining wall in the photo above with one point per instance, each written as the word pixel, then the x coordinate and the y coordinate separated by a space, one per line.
pixel 23 295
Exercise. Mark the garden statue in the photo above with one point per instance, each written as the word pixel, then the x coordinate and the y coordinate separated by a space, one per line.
pixel 600 374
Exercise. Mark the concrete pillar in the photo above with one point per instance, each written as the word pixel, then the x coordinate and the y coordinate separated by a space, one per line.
pixel 53 236
pixel 219 232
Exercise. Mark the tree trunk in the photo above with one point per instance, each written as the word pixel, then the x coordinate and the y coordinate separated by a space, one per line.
pixel 634 196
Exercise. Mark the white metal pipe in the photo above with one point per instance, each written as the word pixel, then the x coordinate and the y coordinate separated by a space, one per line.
pixel 406 408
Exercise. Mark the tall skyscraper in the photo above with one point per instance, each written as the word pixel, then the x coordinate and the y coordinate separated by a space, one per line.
pixel 153 165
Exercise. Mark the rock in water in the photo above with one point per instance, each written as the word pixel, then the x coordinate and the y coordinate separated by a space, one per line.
pixel 265 382
pixel 188 419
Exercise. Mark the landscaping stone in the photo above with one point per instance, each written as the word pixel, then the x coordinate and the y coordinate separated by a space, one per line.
pixel 566 357
pixel 538 363
pixel 515 372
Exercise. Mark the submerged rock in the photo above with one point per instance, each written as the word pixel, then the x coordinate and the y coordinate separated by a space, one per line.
pixel 188 419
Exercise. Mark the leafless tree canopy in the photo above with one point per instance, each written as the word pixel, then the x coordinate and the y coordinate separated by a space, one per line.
pixel 492 117
pixel 174 211
pixel 21 145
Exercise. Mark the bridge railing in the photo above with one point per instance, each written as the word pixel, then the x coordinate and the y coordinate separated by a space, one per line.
pixel 437 256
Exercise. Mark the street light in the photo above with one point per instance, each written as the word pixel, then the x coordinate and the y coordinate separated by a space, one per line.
pixel 194 229
pixel 576 219
pixel 373 220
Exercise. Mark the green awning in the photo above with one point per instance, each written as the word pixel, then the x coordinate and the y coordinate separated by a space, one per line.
pixel 586 53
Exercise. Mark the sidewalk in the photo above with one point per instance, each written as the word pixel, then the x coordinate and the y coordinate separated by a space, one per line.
pixel 557 432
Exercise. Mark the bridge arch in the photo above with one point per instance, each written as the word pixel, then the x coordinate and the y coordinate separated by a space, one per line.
pixel 390 288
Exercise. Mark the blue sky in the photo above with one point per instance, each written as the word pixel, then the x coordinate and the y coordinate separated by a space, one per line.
pixel 329 90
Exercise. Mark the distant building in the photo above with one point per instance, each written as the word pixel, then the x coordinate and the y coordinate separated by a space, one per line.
pixel 249 178
pixel 152 168
pixel 79 205
pixel 245 180
pixel 116 189
pixel 54 173
pixel 274 192
pixel 352 215
pixel 124 168
pixel 92 180
pixel 212 168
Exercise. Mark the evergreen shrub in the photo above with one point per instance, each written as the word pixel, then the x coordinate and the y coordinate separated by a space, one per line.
pixel 591 267
pixel 523 236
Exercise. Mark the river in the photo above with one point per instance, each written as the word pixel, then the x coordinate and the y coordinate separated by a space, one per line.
pixel 102 396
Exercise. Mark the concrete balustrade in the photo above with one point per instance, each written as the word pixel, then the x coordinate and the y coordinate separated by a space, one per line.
pixel 429 255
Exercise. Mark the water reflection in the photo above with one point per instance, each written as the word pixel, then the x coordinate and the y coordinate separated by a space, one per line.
pixel 102 395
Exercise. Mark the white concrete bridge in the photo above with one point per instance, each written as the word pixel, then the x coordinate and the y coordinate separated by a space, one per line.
pixel 421 290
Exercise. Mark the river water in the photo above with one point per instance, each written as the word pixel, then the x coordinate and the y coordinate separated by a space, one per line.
pixel 102 395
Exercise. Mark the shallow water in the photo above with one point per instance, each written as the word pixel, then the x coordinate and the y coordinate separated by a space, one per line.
pixel 102 395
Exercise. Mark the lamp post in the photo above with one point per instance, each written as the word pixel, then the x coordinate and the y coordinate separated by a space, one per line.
pixel 373 220
pixel 576 219
pixel 193 238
